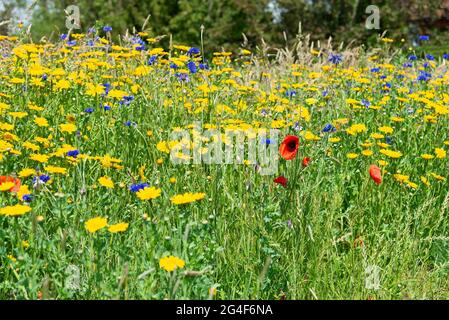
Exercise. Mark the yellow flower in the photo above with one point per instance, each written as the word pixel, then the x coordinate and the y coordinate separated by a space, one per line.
pixel 16 210
pixel 334 139
pixel 367 153
pixel 62 84
pixel 386 129
pixel 400 177
pixel 427 156
pixel 437 176
pixel 172 180
pixel 95 224
pixel 170 263
pixel 440 153
pixel 377 136
pixel 425 181
pixel 391 153
pixel 106 182
pixel 27 172
pixel 53 169
pixel 67 127
pixel 356 128
pixel 23 190
pixel 187 198
pixel 42 158
pixel 5 186
pixel 382 163
pixel 118 227
pixel 148 193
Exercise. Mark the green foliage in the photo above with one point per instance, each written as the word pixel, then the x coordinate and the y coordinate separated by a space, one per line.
pixel 225 21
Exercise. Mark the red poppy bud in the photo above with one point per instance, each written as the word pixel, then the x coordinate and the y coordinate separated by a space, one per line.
pixel 281 180
pixel 375 173
pixel 306 161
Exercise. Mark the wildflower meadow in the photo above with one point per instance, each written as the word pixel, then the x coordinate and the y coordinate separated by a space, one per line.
pixel 131 169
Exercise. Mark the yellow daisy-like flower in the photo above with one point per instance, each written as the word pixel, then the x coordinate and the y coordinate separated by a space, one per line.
pixel 334 139
pixel 106 182
pixel 427 156
pixel 27 172
pixel 42 158
pixel 5 186
pixel 170 263
pixel 367 153
pixel 148 193
pixel 425 181
pixel 67 127
pixel 16 210
pixel 41 122
pixel 352 155
pixel 53 169
pixel 118 227
pixel 187 197
pixel 440 153
pixel 382 163
pixel 386 129
pixel 95 224
pixel 391 153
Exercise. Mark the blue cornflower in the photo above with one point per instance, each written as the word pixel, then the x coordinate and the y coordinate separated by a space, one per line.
pixel 335 58
pixel 173 66
pixel 91 30
pixel 26 197
pixel 388 140
pixel 192 67
pixel 290 93
pixel 130 123
pixel 42 178
pixel 266 141
pixel 430 57
pixel 408 65
pixel 424 76
pixel 424 38
pixel 63 36
pixel 73 153
pixel 325 93
pixel 138 186
pixel 204 66
pixel 106 108
pixel 152 60
pixel 193 51
pixel 413 58
pixel 375 70
pixel 446 56
pixel 89 110
pixel 182 76
pixel 366 103
pixel 44 77
pixel 329 128
pixel 71 43
pixel 107 28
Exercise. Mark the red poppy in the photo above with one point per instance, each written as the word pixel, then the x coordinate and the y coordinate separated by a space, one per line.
pixel 281 180
pixel 16 182
pixel 306 161
pixel 375 173
pixel 289 147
